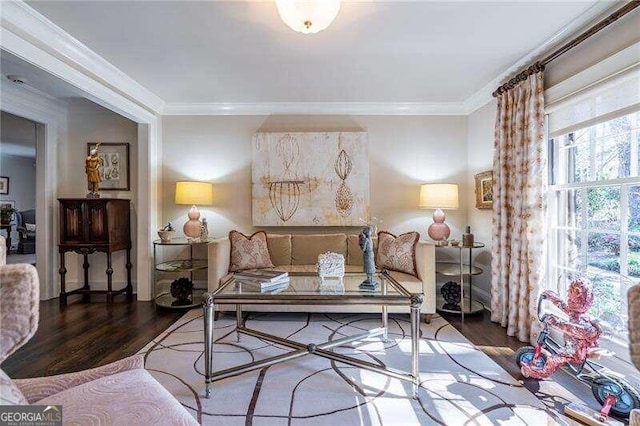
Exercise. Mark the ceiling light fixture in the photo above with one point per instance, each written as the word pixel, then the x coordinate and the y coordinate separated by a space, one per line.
pixel 308 16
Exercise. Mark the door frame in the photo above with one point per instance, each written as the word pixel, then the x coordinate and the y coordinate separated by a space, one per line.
pixel 29 36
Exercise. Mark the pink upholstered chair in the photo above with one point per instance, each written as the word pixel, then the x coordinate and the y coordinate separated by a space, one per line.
pixel 634 338
pixel 119 393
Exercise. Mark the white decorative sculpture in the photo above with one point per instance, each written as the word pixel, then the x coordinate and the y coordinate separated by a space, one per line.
pixel 330 265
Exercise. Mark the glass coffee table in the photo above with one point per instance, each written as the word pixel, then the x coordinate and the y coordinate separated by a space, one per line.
pixel 306 289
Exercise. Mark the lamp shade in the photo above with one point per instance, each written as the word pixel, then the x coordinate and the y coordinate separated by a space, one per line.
pixel 196 193
pixel 308 16
pixel 439 196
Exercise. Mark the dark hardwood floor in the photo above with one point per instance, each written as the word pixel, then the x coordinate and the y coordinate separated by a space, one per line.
pixel 86 335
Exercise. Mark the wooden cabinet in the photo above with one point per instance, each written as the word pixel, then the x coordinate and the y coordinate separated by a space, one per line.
pixel 89 225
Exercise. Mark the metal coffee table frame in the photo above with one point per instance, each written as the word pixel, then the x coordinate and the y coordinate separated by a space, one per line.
pixel 402 297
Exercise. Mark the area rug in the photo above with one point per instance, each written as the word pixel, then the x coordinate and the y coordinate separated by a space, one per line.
pixel 459 384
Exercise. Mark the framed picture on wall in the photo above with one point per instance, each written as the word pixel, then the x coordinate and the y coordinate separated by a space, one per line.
pixel 4 185
pixel 484 190
pixel 114 165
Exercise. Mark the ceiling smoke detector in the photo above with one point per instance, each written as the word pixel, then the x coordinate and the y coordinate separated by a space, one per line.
pixel 18 79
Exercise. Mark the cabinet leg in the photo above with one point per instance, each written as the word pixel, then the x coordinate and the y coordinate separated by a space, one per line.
pixel 129 285
pixel 85 265
pixel 63 272
pixel 109 279
pixel 427 318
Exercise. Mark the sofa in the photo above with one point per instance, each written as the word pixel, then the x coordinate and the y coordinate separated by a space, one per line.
pixel 299 253
pixel 121 393
pixel 26 221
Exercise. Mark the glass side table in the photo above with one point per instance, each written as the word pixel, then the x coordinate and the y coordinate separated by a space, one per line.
pixel 464 272
pixel 190 265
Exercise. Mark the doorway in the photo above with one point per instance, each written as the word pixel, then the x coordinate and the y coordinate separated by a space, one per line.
pixel 18 142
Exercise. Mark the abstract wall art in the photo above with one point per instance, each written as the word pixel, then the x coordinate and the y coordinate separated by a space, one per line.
pixel 310 179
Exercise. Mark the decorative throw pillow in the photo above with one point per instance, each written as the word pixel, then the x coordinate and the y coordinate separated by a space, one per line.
pixel 249 252
pixel 397 253
pixel 31 227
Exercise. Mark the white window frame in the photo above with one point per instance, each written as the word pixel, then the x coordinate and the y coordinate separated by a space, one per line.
pixel 558 164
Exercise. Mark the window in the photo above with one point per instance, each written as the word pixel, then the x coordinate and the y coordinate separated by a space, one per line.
pixel 594 208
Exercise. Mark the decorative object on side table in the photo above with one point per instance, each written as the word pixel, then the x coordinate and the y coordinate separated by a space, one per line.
pixel 194 193
pixel 366 244
pixel 484 190
pixel 467 238
pixel 182 290
pixel 112 166
pixel 166 233
pixel 452 295
pixel 204 230
pixel 92 169
pixel 439 196
pixel 330 265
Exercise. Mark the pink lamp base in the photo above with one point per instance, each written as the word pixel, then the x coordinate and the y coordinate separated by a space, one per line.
pixel 192 227
pixel 438 230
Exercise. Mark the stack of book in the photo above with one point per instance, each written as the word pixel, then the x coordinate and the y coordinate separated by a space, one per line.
pixel 263 280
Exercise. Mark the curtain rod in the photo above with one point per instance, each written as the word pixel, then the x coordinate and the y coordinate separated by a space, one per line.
pixel 539 65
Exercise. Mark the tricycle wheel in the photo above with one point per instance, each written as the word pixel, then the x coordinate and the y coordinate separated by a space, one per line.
pixel 525 355
pixel 627 398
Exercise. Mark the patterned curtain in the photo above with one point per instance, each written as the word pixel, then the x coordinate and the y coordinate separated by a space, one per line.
pixel 519 207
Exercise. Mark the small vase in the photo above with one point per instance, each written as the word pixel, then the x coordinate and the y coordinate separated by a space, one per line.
pixel 204 230
pixel 467 238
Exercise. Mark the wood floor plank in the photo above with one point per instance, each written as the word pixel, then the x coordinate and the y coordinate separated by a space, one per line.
pixel 86 335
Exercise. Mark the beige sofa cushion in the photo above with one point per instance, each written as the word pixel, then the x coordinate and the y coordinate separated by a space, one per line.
pixel 409 282
pixel 279 249
pixel 306 248
pixel 354 252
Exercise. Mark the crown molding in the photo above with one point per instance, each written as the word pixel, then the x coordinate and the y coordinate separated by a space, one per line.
pixel 92 88
pixel 27 23
pixel 483 96
pixel 318 108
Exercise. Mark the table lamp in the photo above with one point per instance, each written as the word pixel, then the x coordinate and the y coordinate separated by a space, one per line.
pixel 194 193
pixel 439 196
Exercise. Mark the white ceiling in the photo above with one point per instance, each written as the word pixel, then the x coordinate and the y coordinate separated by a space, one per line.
pixel 239 51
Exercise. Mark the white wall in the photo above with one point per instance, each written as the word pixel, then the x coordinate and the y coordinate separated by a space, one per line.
pixel 88 122
pixel 479 159
pixel 404 152
pixel 22 184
